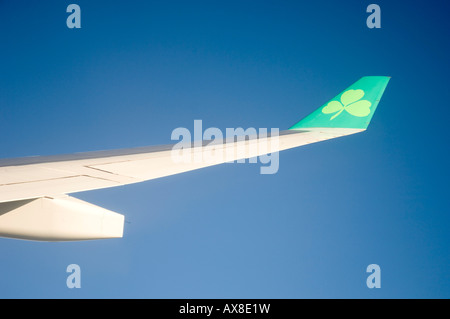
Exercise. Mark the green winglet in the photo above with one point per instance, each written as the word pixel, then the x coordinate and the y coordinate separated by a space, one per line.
pixel 352 108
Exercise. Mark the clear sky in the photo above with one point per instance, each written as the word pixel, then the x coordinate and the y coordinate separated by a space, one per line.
pixel 137 70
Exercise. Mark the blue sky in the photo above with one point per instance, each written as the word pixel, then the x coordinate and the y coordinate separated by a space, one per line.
pixel 134 72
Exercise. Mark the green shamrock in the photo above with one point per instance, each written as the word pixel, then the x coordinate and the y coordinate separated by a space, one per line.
pixel 351 102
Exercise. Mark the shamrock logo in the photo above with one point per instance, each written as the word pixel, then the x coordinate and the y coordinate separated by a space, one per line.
pixel 350 102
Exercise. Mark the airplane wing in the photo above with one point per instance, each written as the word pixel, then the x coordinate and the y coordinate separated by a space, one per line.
pixel 34 200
